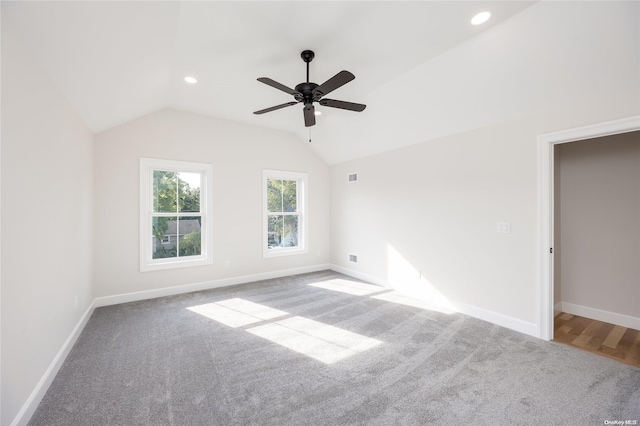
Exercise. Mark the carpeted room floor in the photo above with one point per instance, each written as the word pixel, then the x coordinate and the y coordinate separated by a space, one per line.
pixel 302 350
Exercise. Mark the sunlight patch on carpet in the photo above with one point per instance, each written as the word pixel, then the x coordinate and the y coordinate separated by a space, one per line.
pixel 322 342
pixel 237 312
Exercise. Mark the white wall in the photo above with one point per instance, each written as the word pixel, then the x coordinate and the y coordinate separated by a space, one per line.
pixel 600 231
pixel 432 208
pixel 46 222
pixel 238 153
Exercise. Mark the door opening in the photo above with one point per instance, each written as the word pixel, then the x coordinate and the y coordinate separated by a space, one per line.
pixel 546 143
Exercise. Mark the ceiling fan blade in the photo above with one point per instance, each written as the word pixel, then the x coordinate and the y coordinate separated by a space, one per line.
pixel 342 105
pixel 309 115
pixel 338 80
pixel 273 108
pixel 278 86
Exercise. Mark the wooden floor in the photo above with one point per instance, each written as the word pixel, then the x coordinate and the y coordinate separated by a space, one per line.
pixel 613 341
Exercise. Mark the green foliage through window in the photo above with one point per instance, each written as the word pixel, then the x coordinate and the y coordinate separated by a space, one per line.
pixel 282 228
pixel 173 193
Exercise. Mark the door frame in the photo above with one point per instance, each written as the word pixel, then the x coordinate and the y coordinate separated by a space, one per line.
pixel 546 143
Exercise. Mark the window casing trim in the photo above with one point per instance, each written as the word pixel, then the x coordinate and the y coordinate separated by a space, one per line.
pixel 147 166
pixel 301 202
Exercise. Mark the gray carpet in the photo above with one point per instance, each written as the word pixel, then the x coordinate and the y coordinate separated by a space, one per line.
pixel 156 362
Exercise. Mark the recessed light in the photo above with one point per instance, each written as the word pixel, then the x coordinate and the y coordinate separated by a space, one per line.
pixel 190 80
pixel 318 112
pixel 481 18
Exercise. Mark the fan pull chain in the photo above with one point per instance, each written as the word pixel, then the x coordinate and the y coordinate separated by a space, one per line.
pixel 309 134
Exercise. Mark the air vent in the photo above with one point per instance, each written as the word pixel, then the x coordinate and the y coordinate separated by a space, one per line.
pixel 353 258
pixel 353 177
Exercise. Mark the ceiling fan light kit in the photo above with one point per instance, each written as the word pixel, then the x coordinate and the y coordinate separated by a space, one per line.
pixel 307 93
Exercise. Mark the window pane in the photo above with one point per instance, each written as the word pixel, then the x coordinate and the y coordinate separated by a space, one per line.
pixel 274 232
pixel 189 235
pixel 164 242
pixel 289 195
pixel 164 191
pixel 274 195
pixel 290 232
pixel 189 192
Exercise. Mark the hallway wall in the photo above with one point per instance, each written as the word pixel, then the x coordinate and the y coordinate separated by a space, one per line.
pixel 598 207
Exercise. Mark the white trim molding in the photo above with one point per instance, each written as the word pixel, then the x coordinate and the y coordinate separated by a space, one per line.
pixel 557 309
pixel 360 275
pixel 302 185
pixel 546 142
pixel 205 170
pixel 497 318
pixel 600 315
pixel 30 406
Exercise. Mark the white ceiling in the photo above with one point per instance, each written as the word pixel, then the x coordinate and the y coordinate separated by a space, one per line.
pixel 116 61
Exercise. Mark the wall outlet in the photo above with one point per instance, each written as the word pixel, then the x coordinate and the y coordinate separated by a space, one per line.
pixel 353 258
pixel 226 263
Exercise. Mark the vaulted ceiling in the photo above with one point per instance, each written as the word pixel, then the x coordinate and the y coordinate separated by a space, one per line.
pixel 422 69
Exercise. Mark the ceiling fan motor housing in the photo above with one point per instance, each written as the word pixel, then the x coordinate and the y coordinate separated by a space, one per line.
pixel 306 89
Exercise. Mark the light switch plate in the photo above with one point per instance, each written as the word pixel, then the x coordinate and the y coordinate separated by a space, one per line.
pixel 504 227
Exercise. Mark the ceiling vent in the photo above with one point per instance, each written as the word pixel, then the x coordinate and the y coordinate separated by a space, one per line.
pixel 353 258
pixel 353 177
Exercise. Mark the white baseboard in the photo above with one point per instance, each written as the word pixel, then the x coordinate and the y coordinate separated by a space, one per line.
pixel 600 315
pixel 557 309
pixel 499 319
pixel 472 311
pixel 30 406
pixel 359 275
pixel 206 285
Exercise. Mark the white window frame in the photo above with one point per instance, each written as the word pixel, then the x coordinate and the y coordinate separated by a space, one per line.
pixel 301 205
pixel 147 167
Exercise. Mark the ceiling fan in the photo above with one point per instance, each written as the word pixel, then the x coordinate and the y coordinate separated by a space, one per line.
pixel 308 93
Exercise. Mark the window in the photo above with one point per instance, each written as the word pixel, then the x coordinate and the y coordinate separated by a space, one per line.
pixel 285 230
pixel 175 214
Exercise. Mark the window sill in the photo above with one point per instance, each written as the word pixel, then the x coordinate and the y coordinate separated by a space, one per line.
pixel 161 266
pixel 283 252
